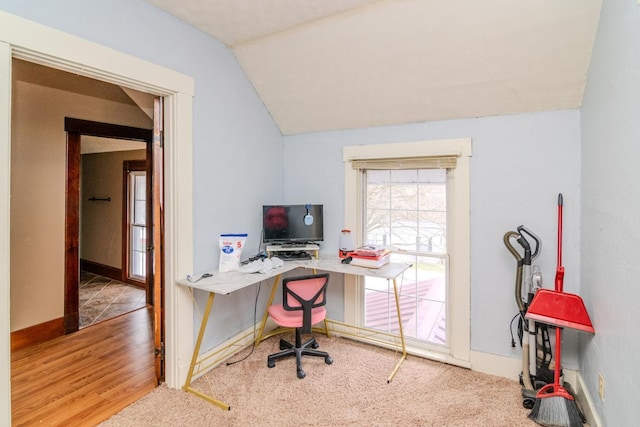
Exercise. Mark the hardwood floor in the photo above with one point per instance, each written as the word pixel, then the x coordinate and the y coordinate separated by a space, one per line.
pixel 83 378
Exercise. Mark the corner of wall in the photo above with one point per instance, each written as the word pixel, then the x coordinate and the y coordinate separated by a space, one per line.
pixel 493 364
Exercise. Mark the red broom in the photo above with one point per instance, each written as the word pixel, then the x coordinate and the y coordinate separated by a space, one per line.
pixel 555 406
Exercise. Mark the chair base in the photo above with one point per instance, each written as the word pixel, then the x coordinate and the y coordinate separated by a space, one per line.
pixel 298 350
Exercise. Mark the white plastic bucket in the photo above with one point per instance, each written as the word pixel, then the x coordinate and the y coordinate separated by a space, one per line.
pixel 230 251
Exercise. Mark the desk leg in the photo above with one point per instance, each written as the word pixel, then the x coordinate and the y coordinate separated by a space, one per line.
pixel 196 353
pixel 266 314
pixel 326 328
pixel 404 350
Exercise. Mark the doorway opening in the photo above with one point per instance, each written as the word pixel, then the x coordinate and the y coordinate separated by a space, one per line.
pixel 94 217
pixel 113 276
pixel 88 59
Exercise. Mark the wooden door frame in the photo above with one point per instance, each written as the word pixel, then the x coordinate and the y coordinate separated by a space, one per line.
pixel 155 236
pixel 75 128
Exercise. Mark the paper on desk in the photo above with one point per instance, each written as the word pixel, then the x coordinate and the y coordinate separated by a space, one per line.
pixel 261 265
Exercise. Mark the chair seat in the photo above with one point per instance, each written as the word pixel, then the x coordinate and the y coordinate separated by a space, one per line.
pixel 293 319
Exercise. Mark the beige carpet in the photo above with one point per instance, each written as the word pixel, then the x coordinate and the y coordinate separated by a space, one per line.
pixel 353 391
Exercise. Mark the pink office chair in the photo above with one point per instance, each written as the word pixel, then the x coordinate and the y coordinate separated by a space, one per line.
pixel 303 300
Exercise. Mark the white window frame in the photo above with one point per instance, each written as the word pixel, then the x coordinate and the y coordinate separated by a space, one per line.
pixel 458 298
pixel 131 223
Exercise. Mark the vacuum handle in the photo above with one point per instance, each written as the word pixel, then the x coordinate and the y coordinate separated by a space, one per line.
pixel 527 249
pixel 524 230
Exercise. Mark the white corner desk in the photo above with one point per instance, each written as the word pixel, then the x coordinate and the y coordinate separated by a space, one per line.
pixel 226 283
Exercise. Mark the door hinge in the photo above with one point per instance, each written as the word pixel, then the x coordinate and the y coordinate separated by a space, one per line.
pixel 158 139
pixel 160 351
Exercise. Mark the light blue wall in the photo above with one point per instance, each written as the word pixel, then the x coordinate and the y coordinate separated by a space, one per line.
pixel 611 212
pixel 519 165
pixel 237 148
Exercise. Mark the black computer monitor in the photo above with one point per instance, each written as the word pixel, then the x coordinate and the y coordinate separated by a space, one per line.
pixel 292 223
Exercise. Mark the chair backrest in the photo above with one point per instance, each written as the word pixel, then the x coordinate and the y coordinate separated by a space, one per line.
pixel 304 293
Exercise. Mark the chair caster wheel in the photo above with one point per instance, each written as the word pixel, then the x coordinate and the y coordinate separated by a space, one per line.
pixel 301 374
pixel 271 363
pixel 315 344
pixel 283 345
pixel 328 360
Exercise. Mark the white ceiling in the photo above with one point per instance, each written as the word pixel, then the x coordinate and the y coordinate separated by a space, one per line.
pixel 339 64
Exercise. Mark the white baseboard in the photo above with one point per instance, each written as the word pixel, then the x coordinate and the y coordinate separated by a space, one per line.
pixel 586 402
pixel 493 364
pixel 223 352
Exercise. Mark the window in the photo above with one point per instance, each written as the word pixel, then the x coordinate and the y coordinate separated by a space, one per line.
pixel 413 197
pixel 135 239
pixel 137 225
pixel 407 211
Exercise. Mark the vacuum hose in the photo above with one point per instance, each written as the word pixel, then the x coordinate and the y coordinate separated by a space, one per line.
pixel 519 259
pixel 526 377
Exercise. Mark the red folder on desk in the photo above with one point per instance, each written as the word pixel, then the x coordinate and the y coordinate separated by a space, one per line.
pixel 370 251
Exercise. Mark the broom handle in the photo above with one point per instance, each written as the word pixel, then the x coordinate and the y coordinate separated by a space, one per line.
pixel 559 286
pixel 556 371
pixel 559 268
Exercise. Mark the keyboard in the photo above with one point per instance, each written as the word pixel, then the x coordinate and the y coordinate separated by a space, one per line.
pixel 293 256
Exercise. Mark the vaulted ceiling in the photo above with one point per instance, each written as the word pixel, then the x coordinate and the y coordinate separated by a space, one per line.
pixel 338 64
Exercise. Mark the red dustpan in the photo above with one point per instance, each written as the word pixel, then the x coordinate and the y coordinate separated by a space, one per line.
pixel 556 307
pixel 560 309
